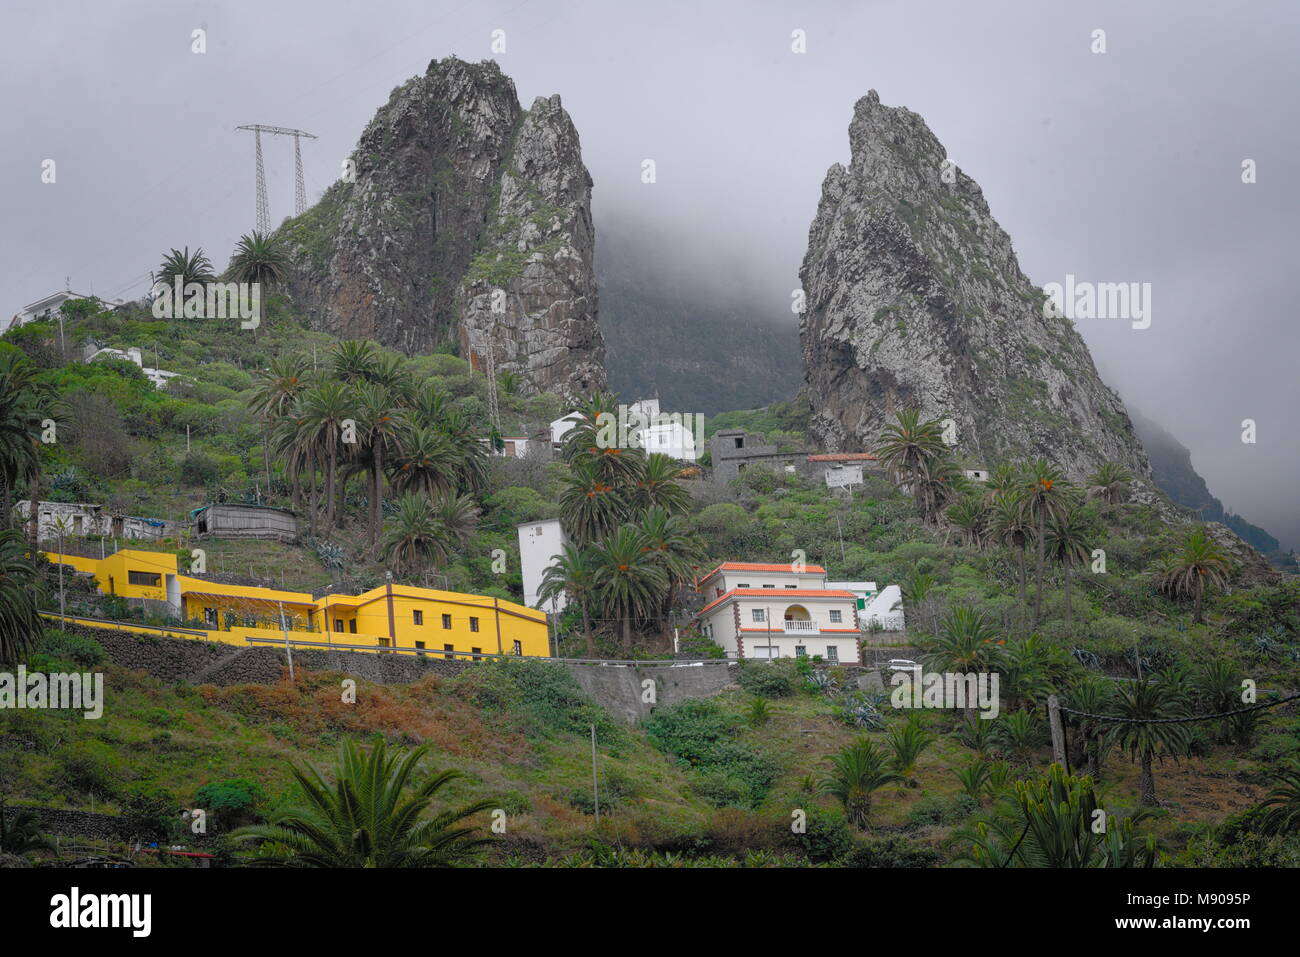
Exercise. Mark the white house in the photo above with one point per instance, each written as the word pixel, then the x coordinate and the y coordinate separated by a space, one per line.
pixel 79 518
pixel 159 377
pixel 561 427
pixel 863 592
pixel 977 475
pixel 539 543
pixel 885 611
pixel 778 611
pixel 513 446
pixel 43 308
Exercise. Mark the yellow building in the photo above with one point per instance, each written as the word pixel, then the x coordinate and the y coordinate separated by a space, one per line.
pixel 423 620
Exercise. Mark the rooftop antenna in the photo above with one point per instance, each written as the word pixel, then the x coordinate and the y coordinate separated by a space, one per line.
pixel 300 189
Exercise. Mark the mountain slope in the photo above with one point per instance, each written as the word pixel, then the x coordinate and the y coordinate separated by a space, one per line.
pixel 697 349
pixel 915 298
pixel 1172 469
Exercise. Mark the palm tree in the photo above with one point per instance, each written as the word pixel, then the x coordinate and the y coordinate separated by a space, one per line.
pixel 322 413
pixel 1044 494
pixel 656 485
pixel 1110 483
pixel 1069 534
pixel 857 772
pixel 1009 526
pixel 426 463
pixel 21 832
pixel 675 548
pixel 1092 695
pixel 259 258
pixel 20 625
pixel 371 817
pixel 966 644
pixel 594 443
pixel 908 449
pixel 908 741
pixel 274 393
pixel 467 444
pixel 629 581
pixel 1283 801
pixel 189 268
pixel 1201 561
pixel 970 515
pixel 590 507
pixel 21 401
pixel 381 421
pixel 424 532
pixel 1142 736
pixel 353 360
pixel 573 573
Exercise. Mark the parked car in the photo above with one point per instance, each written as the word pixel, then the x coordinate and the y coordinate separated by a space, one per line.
pixel 904 664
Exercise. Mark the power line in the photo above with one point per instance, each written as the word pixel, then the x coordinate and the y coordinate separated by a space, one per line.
pixel 1201 717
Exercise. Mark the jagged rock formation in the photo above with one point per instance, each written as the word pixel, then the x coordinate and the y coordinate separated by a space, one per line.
pixel 469 223
pixel 915 299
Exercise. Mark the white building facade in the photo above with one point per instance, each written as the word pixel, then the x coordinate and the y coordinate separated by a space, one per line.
pixel 539 544
pixel 767 611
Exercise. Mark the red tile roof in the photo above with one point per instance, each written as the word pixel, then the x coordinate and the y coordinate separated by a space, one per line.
pixel 778 593
pixel 760 567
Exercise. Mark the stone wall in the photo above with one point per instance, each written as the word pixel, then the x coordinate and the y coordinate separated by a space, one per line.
pixel 619 689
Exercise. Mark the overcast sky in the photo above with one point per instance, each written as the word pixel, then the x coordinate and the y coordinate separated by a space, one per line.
pixel 1122 166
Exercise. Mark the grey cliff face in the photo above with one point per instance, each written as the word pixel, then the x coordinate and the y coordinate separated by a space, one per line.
pixel 914 298
pixel 470 223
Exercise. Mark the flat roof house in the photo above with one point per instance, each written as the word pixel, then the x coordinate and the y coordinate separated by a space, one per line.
pixel 757 610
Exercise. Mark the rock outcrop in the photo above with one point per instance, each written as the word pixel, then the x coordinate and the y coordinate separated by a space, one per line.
pixel 914 298
pixel 468 224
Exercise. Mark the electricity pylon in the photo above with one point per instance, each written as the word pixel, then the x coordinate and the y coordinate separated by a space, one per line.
pixel 300 188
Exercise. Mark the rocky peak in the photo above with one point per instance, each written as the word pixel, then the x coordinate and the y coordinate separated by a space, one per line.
pixel 469 223
pixel 914 297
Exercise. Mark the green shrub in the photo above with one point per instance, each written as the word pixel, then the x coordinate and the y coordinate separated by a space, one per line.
pixel 769 679
pixel 230 804
pixel 698 733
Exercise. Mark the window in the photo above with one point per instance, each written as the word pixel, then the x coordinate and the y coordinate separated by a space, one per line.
pixel 801 651
pixel 742 586
pixel 338 624
pixel 837 616
pixel 832 654
pixel 151 579
pixel 419 648
pixel 417 616
pixel 477 652
pixel 769 586
pixel 449 649
pixel 210 617
pixel 518 648
pixel 759 614
pixel 473 624
pixel 446 621
pixel 740 441
pixel 352 626
pixel 791 586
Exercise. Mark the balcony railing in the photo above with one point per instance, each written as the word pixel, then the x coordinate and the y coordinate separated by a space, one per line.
pixel 801 627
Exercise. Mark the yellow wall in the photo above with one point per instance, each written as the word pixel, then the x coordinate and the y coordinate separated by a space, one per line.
pixel 311 619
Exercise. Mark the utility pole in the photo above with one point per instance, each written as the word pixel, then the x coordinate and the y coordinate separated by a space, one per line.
pixel 595 786
pixel 1058 733
pixel 287 647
